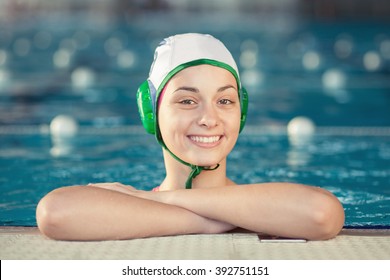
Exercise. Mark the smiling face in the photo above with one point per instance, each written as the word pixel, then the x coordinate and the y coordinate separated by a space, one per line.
pixel 199 114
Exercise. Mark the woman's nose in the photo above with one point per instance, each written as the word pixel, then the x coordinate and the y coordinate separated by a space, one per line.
pixel 208 116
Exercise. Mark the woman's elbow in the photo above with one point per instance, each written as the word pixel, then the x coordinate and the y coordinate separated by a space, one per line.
pixel 328 218
pixel 50 216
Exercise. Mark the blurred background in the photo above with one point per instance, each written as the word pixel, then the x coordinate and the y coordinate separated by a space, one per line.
pixel 326 60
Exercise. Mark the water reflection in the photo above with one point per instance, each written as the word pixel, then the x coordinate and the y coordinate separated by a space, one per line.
pixel 300 131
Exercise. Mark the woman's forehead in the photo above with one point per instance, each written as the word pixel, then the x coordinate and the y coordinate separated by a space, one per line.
pixel 204 71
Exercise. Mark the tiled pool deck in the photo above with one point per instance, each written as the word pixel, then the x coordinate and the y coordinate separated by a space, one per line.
pixel 26 243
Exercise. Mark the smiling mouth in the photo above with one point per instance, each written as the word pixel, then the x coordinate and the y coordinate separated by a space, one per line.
pixel 205 139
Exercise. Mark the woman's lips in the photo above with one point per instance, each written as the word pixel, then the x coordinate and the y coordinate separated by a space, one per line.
pixel 205 141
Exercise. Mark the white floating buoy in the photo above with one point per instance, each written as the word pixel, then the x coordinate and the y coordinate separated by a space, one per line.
pixel 252 77
pixel 62 58
pixel 311 60
pixel 126 59
pixel 62 129
pixel 372 61
pixel 301 126
pixel 63 126
pixel 334 79
pixel 248 59
pixel 83 77
pixel 300 131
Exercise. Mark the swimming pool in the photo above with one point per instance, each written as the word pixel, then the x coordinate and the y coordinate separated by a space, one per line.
pixel 354 168
pixel 335 74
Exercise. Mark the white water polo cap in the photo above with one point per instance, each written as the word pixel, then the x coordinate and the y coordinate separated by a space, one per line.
pixel 181 51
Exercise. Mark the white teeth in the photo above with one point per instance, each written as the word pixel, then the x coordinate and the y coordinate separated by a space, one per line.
pixel 201 139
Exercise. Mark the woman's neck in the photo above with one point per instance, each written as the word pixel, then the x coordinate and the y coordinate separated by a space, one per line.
pixel 177 174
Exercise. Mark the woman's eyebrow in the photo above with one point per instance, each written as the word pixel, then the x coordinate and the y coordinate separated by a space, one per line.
pixel 185 88
pixel 226 87
pixel 196 90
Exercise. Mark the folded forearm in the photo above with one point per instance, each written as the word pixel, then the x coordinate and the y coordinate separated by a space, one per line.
pixel 88 213
pixel 283 209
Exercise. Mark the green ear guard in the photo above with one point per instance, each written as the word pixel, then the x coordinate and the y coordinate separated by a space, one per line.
pixel 146 100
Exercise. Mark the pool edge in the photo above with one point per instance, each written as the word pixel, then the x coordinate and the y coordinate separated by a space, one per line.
pixel 27 243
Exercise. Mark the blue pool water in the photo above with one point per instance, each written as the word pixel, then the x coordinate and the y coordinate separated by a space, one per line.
pixel 354 168
pixel 338 75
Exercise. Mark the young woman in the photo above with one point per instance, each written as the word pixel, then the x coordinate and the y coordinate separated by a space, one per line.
pixel 194 103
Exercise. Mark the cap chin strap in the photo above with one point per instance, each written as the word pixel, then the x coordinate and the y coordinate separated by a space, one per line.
pixel 195 169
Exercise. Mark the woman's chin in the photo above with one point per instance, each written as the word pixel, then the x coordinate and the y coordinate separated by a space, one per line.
pixel 207 163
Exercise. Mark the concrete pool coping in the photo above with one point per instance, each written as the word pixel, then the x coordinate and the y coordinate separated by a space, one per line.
pixel 27 243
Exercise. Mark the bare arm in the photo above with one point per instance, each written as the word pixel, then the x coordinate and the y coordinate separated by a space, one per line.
pixel 92 213
pixel 281 209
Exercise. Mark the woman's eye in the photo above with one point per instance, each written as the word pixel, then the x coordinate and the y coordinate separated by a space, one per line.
pixel 187 102
pixel 225 101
